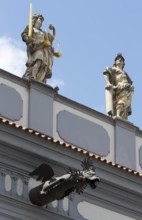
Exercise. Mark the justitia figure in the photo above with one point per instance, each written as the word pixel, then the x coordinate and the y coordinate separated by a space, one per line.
pixel 39 50
pixel 119 89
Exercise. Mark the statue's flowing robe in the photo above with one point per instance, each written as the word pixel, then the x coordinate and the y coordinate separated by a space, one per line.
pixel 40 52
pixel 122 92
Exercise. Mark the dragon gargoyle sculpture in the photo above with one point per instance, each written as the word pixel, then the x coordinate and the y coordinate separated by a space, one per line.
pixel 56 188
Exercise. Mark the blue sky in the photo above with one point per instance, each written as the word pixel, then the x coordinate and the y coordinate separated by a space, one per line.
pixel 91 33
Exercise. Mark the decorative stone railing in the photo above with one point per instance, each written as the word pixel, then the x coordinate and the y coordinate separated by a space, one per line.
pixel 13 184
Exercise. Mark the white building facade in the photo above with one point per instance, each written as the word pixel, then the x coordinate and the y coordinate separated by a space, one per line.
pixel 38 125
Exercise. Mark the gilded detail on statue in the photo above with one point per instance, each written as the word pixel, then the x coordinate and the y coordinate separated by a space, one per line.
pixel 40 50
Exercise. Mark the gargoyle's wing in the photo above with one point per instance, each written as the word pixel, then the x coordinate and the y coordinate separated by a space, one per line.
pixel 87 164
pixel 43 173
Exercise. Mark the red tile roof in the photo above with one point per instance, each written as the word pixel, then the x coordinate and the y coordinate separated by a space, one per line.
pixel 66 145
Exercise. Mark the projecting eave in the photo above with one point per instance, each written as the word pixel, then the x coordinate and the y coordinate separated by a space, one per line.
pixel 77 150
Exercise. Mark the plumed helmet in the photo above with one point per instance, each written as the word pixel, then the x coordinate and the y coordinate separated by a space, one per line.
pixel 119 55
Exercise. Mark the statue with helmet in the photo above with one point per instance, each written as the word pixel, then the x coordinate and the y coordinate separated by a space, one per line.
pixel 119 89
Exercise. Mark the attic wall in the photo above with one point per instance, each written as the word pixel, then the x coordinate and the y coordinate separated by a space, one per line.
pixel 39 107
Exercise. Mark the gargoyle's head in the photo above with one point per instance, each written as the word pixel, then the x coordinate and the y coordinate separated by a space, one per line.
pixel 89 174
pixel 91 178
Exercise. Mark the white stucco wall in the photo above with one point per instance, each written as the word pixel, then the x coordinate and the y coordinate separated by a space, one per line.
pixel 109 128
pixel 138 145
pixel 58 107
pixel 93 212
pixel 24 96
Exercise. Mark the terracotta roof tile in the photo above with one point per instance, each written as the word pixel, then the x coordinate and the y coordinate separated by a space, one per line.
pixel 72 147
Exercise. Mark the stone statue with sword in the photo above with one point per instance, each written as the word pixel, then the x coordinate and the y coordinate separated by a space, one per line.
pixel 40 50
